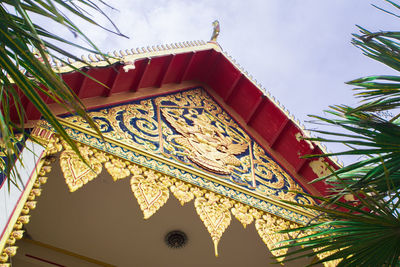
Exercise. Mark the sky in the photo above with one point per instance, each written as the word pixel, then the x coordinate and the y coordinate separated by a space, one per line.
pixel 299 50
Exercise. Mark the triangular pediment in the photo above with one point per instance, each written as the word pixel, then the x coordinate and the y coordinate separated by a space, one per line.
pixel 189 136
pixel 189 123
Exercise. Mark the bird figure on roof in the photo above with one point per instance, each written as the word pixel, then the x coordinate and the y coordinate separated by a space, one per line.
pixel 215 31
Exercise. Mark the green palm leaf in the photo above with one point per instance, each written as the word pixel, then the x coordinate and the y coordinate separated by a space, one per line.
pixel 366 230
pixel 29 74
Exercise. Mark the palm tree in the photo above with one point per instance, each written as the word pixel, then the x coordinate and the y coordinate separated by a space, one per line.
pixel 27 49
pixel 363 231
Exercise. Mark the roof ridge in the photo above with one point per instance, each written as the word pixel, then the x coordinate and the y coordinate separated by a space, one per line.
pixel 128 56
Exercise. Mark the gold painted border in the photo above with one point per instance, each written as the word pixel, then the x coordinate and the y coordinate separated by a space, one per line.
pixel 185 168
pixel 22 200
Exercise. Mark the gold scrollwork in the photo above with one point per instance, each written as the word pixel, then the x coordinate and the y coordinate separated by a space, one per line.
pixel 190 127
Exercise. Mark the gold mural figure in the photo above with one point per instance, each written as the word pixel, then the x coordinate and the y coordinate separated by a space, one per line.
pixel 206 144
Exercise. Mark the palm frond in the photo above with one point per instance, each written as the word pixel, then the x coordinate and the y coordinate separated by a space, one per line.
pixel 359 222
pixel 26 52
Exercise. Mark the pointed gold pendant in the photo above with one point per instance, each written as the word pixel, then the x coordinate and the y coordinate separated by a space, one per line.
pixel 214 212
pixel 76 172
pixel 267 227
pixel 150 193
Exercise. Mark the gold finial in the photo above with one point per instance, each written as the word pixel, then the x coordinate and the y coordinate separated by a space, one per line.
pixel 215 31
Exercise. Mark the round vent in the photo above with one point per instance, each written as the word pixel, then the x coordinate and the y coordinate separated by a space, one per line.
pixel 176 239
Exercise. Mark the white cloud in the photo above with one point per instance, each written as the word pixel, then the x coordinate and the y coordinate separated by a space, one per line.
pixel 299 49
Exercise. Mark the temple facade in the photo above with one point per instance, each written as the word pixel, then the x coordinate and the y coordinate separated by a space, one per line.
pixel 196 166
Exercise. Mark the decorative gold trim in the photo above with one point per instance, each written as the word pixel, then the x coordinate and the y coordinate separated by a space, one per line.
pixel 303 234
pixel 182 191
pixel 117 168
pixel 267 227
pixel 21 215
pixel 183 167
pixel 76 172
pixel 150 190
pixel 48 139
pixel 214 212
pixel 323 255
pixel 200 138
pixel 244 214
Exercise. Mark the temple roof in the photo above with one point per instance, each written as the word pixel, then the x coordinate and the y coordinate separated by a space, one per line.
pixel 206 64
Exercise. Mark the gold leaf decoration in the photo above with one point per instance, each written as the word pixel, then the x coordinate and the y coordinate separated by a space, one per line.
pixel 165 180
pixel 117 168
pixel 10 251
pixel 76 172
pixel 150 192
pixel 42 179
pixel 35 192
pixel 205 144
pixel 53 146
pixel 267 227
pixel 29 205
pixel 304 235
pixel 101 156
pixel 44 170
pixel 3 258
pixel 241 212
pixel 325 254
pixel 197 192
pixel 136 169
pixel 214 212
pixel 182 192
pixel 17 234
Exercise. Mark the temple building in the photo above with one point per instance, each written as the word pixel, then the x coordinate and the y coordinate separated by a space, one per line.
pixel 194 167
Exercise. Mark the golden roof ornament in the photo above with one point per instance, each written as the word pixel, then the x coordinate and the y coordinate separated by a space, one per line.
pixel 215 31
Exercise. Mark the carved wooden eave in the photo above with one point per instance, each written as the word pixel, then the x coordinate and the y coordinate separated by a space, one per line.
pixel 148 71
pixel 191 69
